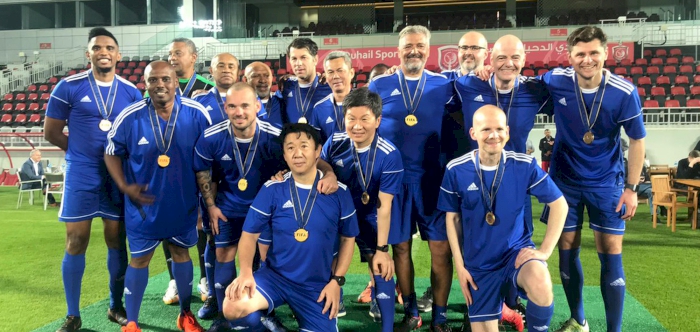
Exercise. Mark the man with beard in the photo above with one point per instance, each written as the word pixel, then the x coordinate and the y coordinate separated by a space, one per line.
pixel 260 77
pixel 239 154
pixel 88 103
pixel 413 107
pixel 327 115
pixel 301 92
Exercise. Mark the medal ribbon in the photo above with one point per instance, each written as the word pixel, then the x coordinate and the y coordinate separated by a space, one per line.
pixel 339 119
pixel 593 114
pixel 244 166
pixel 489 197
pixel 513 92
pixel 163 141
pixel 369 168
pixel 189 86
pixel 104 107
pixel 220 102
pixel 304 105
pixel 410 100
pixel 302 215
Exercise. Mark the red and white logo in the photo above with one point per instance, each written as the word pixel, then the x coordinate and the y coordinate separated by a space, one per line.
pixel 448 57
pixel 620 52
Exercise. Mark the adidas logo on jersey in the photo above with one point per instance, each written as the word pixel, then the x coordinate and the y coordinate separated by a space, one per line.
pixel 143 141
pixel 562 101
pixel 127 291
pixel 218 286
pixel 472 187
pixel 395 92
pixel 479 98
pixel 290 95
pixel 226 157
pixel 382 296
pixel 329 120
pixel 339 163
pixel 618 283
pixel 85 99
pixel 209 108
pixel 541 328
pixel 287 204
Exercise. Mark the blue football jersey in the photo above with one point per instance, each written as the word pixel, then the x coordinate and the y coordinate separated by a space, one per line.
pixel 74 101
pixel 174 187
pixel 216 106
pixel 487 247
pixel 419 144
pixel 328 117
pixel 600 164
pixel 386 175
pixel 214 151
pixel 297 101
pixel 306 263
pixel 273 110
pixel 521 107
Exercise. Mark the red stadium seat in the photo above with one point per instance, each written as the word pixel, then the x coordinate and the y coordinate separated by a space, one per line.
pixel 21 107
pixel 21 97
pixel 658 91
pixel 626 62
pixel 610 63
pixel 653 70
pixel 43 107
pixel 647 53
pixel 675 52
pixel 628 79
pixel 126 71
pixel 138 71
pixel 696 79
pixel 361 78
pixel 640 91
pixel 682 81
pixel 131 64
pixel 7 107
pixel 695 91
pixel 622 71
pixel 672 103
pixel 672 61
pixel 281 71
pixel 553 64
pixel 53 80
pixel 43 88
pixel 663 80
pixel 142 64
pixel 21 119
pixel 641 62
pixel 657 61
pixel 6 119
pixel 141 86
pixel 31 88
pixel 644 81
pixel 693 103
pixel 45 96
pixel 678 91
pixel 688 60
pixel 686 69
pixel 542 71
pixel 651 103
pixel 8 97
pixel 636 71
pixel 121 65
pixel 33 97
pixel 72 72
pixel 133 79
pixel 670 70
pixel 35 119
pixel 273 88
pixel 34 107
pixel 660 53
pixel 528 72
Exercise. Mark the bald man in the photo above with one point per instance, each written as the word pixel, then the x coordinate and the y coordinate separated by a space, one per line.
pixel 488 233
pixel 260 77
pixel 158 135
pixel 473 50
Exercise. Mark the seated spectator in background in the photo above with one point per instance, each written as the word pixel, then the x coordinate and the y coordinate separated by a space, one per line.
pixel 31 171
pixel 689 168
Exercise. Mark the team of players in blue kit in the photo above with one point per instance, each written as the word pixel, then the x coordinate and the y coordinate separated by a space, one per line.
pixel 369 167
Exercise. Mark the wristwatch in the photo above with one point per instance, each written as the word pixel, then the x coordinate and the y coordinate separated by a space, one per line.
pixel 384 248
pixel 632 187
pixel 339 279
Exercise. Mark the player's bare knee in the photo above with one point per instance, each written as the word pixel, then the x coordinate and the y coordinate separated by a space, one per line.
pixel 114 233
pixel 234 309
pixel 401 250
pixel 440 250
pixel 538 287
pixel 227 254
pixel 180 255
pixel 140 262
pixel 77 242
pixel 570 240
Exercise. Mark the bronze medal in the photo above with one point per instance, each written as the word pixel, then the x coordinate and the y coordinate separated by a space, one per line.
pixel 588 137
pixel 242 184
pixel 490 218
pixel 105 125
pixel 411 120
pixel 303 120
pixel 301 235
pixel 163 161
pixel 365 198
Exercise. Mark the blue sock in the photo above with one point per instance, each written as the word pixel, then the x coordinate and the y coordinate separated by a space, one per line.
pixel 373 291
pixel 538 318
pixel 135 283
pixel 73 268
pixel 209 266
pixel 223 276
pixel 612 286
pixel 183 279
pixel 572 279
pixel 410 306
pixel 439 314
pixel 117 261
pixel 385 299
pixel 251 322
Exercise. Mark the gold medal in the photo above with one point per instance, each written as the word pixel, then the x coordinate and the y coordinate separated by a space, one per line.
pixel 365 198
pixel 490 218
pixel 303 120
pixel 242 184
pixel 588 137
pixel 105 125
pixel 163 161
pixel 411 120
pixel 301 235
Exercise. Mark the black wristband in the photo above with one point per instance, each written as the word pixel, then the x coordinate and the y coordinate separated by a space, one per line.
pixel 384 248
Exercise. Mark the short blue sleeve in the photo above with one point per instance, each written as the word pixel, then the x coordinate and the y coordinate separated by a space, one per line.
pixel 348 226
pixel 116 143
pixel 631 117
pixel 203 156
pixel 392 174
pixel 260 212
pixel 541 185
pixel 59 104
pixel 326 150
pixel 448 199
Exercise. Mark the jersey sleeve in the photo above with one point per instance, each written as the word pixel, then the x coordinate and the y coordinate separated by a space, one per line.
pixel 116 143
pixel 631 117
pixel 326 151
pixel 348 218
pixel 135 95
pixel 59 104
pixel 392 174
pixel 541 185
pixel 262 114
pixel 203 156
pixel 373 86
pixel 448 199
pixel 260 212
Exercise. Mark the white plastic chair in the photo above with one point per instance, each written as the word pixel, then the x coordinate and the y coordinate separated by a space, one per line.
pixel 54 185
pixel 28 190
